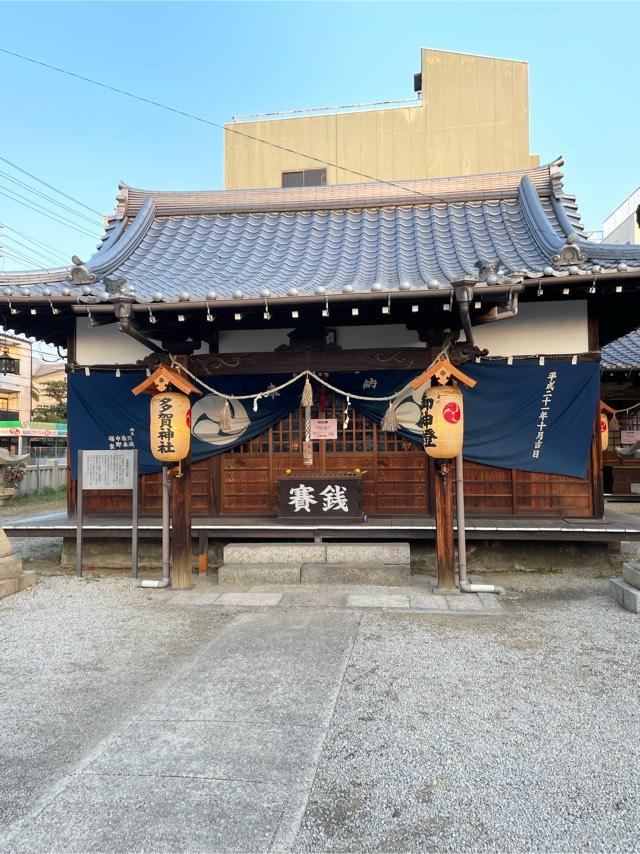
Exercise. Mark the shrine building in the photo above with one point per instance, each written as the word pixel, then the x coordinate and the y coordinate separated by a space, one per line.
pixel 355 288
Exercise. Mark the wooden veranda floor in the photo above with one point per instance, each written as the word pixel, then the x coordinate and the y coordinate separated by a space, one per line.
pixel 615 526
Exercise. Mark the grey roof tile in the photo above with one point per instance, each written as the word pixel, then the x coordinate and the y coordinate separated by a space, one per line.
pixel 418 234
pixel 623 353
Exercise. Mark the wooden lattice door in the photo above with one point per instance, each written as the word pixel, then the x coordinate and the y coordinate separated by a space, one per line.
pixel 396 470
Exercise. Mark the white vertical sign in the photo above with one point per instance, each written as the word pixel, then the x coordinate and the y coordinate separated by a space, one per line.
pixel 108 469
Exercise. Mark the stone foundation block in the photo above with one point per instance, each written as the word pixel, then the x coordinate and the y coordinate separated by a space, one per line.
pixel 279 553
pixel 246 574
pixel 361 553
pixel 389 574
pixel 631 574
pixel 114 553
pixel 10 566
pixel 625 595
pixel 9 586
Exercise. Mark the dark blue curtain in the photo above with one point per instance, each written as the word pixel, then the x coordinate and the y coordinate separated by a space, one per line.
pixel 525 415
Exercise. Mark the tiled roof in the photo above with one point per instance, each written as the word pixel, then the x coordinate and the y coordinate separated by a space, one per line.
pixel 623 353
pixel 419 235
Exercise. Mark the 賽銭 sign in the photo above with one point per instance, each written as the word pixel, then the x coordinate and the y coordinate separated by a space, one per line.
pixel 324 428
pixel 629 437
pixel 316 497
pixel 108 469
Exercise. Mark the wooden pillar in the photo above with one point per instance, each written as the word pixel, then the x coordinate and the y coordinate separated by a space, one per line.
pixel 181 549
pixel 445 557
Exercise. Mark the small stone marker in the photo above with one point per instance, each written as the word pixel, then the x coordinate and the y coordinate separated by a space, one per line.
pixel 626 590
pixel 12 578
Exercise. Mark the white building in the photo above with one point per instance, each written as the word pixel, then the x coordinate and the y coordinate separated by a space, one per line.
pixel 621 226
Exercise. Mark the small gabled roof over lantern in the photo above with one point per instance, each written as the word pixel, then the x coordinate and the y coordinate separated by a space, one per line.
pixel 161 379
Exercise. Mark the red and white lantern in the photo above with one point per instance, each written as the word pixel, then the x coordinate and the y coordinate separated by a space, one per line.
pixel 442 422
pixel 604 431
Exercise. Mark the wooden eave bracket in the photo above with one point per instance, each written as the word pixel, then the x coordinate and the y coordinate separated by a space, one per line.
pixel 442 371
pixel 604 407
pixel 163 377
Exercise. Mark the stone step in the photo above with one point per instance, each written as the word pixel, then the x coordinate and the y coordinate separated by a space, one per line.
pixel 246 574
pixel 631 574
pixel 276 553
pixel 387 574
pixel 299 553
pixel 625 595
pixel 372 553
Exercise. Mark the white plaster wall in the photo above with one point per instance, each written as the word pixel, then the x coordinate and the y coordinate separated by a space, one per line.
pixel 105 345
pixel 251 340
pixel 538 329
pixel 347 337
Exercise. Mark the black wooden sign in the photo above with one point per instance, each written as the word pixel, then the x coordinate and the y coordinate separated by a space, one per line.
pixel 315 497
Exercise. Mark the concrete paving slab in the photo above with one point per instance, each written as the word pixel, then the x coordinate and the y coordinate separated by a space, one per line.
pixel 261 672
pixel 206 599
pixel 313 599
pixel 297 699
pixel 249 599
pixel 356 573
pixel 224 750
pixel 428 602
pixel 97 813
pixel 464 602
pixel 377 600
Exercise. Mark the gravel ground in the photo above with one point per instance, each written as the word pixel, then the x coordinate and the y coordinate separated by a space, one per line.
pixel 502 734
pixel 78 657
pixel 508 732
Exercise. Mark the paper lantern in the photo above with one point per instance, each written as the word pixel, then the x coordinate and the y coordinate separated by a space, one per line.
pixel 604 431
pixel 170 426
pixel 442 422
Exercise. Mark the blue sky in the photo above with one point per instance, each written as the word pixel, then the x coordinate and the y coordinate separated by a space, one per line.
pixel 217 59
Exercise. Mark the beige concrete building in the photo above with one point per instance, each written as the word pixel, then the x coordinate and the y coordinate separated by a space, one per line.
pixel 15 384
pixel 43 374
pixel 472 116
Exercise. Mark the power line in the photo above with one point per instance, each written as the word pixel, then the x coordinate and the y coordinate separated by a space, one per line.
pixel 38 209
pixel 34 240
pixel 33 250
pixel 18 256
pixel 48 198
pixel 50 186
pixel 202 120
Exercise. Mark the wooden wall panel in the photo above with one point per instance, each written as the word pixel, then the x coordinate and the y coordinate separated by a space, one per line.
pixel 398 477
pixel 487 490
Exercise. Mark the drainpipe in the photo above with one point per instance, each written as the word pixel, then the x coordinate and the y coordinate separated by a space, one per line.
pixel 166 559
pixel 464 584
pixel 123 309
pixel 166 548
